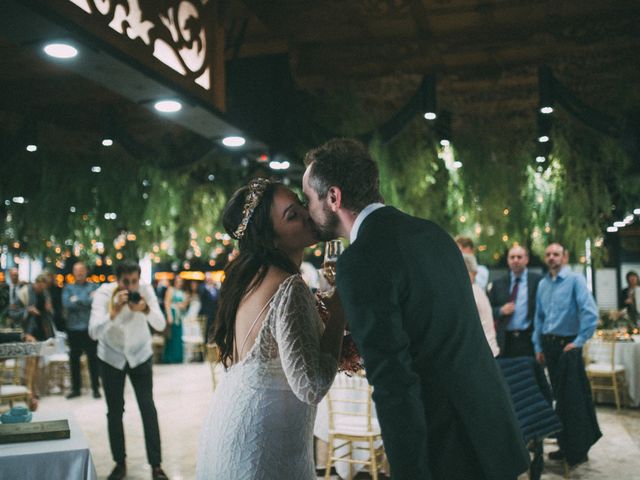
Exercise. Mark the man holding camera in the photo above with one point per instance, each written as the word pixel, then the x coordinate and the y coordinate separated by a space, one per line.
pixel 120 317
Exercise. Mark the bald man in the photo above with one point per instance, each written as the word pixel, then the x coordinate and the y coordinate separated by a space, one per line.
pixel 513 299
pixel 76 299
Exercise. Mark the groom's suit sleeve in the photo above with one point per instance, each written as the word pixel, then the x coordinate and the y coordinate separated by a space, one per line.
pixel 371 301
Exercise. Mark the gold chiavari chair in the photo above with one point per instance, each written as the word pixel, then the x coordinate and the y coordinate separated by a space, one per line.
pixel 351 423
pixel 608 375
pixel 11 388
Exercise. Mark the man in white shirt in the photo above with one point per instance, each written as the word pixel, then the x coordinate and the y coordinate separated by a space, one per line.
pixel 121 313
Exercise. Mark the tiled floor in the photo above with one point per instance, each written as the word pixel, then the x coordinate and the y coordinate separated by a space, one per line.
pixel 182 393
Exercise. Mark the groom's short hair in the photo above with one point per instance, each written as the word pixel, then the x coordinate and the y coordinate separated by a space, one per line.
pixel 344 163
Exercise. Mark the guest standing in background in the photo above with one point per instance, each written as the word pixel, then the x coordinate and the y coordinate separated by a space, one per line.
pixel 195 305
pixel 35 307
pixel 513 298
pixel 15 313
pixel 566 317
pixel 628 296
pixel 482 302
pixel 76 300
pixel 208 302
pixel 465 244
pixel 176 302
pixel 55 294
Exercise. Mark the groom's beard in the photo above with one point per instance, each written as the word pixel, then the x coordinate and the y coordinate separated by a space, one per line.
pixel 328 228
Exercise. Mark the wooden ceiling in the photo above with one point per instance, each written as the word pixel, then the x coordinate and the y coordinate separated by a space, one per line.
pixel 484 52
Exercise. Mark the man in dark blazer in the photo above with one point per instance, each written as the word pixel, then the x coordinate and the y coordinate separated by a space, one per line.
pixel 513 299
pixel 442 403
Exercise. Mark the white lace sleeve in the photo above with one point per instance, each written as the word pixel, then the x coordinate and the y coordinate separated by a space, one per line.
pixel 297 330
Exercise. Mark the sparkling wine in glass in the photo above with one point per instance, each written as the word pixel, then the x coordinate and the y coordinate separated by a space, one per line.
pixel 332 250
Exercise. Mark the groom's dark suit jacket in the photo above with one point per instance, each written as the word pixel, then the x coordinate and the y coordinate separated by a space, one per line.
pixel 442 403
pixel 500 293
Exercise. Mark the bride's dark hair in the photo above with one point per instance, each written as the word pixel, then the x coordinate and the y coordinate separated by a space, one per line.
pixel 246 272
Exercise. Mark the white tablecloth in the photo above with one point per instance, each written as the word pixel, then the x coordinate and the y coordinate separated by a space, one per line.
pixel 68 459
pixel 628 355
pixel 321 428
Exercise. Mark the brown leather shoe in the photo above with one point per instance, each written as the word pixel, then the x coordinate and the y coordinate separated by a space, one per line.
pixel 158 474
pixel 118 472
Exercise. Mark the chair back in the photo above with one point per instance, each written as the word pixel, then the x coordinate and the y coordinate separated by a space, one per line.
pixel 9 370
pixel 349 397
pixel 601 351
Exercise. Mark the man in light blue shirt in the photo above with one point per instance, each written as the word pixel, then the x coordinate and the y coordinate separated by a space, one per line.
pixel 566 315
pixel 76 299
pixel 564 306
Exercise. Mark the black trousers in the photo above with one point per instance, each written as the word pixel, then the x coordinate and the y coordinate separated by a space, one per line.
pixel 79 342
pixel 517 344
pixel 113 384
pixel 552 347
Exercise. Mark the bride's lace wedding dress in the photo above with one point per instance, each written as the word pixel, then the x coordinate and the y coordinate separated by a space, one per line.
pixel 260 421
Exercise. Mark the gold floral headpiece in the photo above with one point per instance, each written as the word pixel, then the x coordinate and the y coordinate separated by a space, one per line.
pixel 257 187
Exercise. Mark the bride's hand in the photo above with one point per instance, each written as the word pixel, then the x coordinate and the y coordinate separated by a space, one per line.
pixel 334 307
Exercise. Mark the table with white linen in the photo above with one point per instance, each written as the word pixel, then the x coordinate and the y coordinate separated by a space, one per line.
pixel 68 459
pixel 27 349
pixel 628 355
pixel 321 431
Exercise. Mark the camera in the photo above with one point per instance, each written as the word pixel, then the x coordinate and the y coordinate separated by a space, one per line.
pixel 134 297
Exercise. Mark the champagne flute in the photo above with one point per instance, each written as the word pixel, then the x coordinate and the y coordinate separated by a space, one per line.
pixel 332 250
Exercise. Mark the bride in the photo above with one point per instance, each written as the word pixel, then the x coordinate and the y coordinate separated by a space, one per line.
pixel 281 359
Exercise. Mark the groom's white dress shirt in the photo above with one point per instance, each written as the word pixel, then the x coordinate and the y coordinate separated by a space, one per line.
pixel 366 211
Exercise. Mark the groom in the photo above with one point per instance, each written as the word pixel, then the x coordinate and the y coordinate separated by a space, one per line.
pixel 443 406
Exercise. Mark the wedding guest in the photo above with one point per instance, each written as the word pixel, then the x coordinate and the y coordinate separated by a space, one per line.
pixel 513 298
pixel 4 304
pixel 176 302
pixel 465 244
pixel 76 300
pixel 482 302
pixel 565 318
pixel 37 322
pixel 121 314
pixel 209 293
pixel 55 294
pixel 628 297
pixel 14 313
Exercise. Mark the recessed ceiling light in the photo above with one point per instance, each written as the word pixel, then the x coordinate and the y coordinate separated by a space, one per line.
pixel 107 142
pixel 540 159
pixel 233 141
pixel 430 115
pixel 457 164
pixel 612 229
pixel 619 224
pixel 445 143
pixel 32 148
pixel 96 169
pixel 60 50
pixel 168 106
pixel 543 139
pixel 546 110
pixel 275 165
